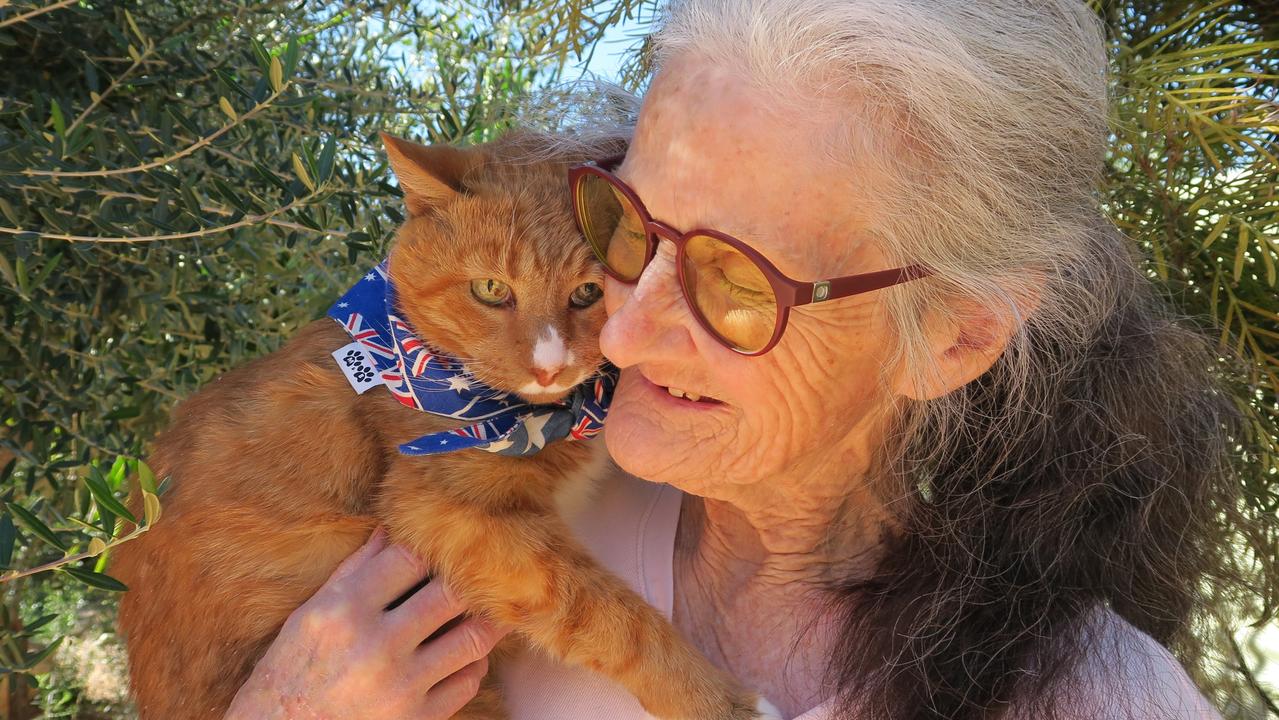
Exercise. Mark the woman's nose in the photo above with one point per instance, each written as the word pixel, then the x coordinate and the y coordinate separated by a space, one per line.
pixel 647 317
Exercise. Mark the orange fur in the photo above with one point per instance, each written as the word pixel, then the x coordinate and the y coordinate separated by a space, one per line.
pixel 279 470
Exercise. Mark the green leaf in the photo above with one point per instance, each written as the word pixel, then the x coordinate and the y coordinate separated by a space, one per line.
pixel 1240 250
pixel 8 212
pixel 134 27
pixel 183 120
pixel 290 57
pixel 232 83
pixel 115 477
pixel 151 508
pixel 8 537
pixel 91 76
pixel 227 109
pixel 123 413
pixel 96 579
pixel 260 54
pixel 35 658
pixel 277 74
pixel 7 271
pixel 39 623
pixel 49 266
pixel 1269 263
pixel 230 195
pixel 20 270
pixel 34 524
pixel 59 122
pixel 102 494
pixel 1217 229
pixel 327 155
pixel 146 478
pixel 268 175
pixel 299 169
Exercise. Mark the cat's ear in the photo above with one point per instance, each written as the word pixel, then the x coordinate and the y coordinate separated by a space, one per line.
pixel 429 175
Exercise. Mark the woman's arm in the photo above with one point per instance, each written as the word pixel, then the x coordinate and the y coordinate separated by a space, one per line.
pixel 343 655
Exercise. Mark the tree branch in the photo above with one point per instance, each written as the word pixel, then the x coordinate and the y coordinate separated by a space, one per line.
pixel 165 160
pixel 38 11
pixel 246 221
pixel 115 82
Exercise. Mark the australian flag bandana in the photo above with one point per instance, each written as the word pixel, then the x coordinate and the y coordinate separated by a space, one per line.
pixel 385 351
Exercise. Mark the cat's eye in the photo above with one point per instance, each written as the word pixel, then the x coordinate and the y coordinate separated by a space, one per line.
pixel 585 295
pixel 492 292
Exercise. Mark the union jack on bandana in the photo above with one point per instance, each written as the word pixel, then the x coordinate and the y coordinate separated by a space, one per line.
pixel 423 378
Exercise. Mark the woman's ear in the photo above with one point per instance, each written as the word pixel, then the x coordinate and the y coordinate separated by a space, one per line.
pixel 429 175
pixel 964 344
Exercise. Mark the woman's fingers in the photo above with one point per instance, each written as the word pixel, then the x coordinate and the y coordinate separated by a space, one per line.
pixel 449 695
pixel 386 576
pixel 370 548
pixel 364 661
pixel 424 612
pixel 456 649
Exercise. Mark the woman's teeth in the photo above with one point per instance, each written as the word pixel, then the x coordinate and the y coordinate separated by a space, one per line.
pixel 676 392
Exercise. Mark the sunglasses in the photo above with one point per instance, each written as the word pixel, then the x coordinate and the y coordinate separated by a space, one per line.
pixel 734 292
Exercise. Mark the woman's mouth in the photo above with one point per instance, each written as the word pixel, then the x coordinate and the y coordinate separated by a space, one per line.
pixel 690 396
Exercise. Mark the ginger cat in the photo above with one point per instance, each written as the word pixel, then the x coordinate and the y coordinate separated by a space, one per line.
pixel 280 469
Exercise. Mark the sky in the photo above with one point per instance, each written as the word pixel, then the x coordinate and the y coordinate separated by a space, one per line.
pixel 611 51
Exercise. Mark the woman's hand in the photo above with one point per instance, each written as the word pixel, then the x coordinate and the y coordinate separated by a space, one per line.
pixel 342 654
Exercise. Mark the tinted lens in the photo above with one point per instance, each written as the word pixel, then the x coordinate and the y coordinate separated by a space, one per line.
pixel 612 224
pixel 730 292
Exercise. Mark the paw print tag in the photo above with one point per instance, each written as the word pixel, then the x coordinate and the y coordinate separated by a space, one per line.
pixel 357 366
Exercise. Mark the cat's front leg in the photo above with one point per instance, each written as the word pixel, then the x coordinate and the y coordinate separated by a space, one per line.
pixel 524 568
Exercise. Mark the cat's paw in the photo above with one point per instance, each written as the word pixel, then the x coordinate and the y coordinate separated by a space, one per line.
pixel 765 710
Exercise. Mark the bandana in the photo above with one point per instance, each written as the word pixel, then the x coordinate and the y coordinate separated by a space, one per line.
pixel 385 351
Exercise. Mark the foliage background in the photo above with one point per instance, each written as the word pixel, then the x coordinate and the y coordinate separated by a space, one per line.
pixel 183 184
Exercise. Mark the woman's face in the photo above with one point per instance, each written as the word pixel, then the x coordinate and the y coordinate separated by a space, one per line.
pixel 710 151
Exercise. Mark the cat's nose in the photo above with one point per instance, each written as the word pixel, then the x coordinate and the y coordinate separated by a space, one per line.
pixel 546 376
pixel 550 356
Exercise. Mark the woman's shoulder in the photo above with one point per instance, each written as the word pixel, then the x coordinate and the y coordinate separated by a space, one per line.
pixel 1124 674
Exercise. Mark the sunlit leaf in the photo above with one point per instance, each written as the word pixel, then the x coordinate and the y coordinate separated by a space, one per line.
pixel 227 109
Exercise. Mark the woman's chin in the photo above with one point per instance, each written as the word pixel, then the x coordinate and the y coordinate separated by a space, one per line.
pixel 647 442
pixel 664 439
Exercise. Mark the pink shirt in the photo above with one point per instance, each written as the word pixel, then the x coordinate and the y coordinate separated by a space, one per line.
pixel 630 527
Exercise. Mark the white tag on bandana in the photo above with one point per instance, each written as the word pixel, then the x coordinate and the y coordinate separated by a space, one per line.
pixel 358 367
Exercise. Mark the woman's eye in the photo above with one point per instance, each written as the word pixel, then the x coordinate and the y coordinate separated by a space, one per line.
pixel 585 295
pixel 492 292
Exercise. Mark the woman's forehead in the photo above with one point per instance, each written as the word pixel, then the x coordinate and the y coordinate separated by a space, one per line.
pixel 711 151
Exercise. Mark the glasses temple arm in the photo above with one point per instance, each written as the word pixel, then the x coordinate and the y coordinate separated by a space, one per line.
pixel 842 287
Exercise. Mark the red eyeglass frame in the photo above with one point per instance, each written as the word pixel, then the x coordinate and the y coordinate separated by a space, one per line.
pixel 789 292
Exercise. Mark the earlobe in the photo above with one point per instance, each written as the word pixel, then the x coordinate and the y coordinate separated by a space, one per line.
pixel 429 175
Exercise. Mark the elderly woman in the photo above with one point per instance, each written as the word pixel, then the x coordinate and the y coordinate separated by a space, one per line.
pixel 981 483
